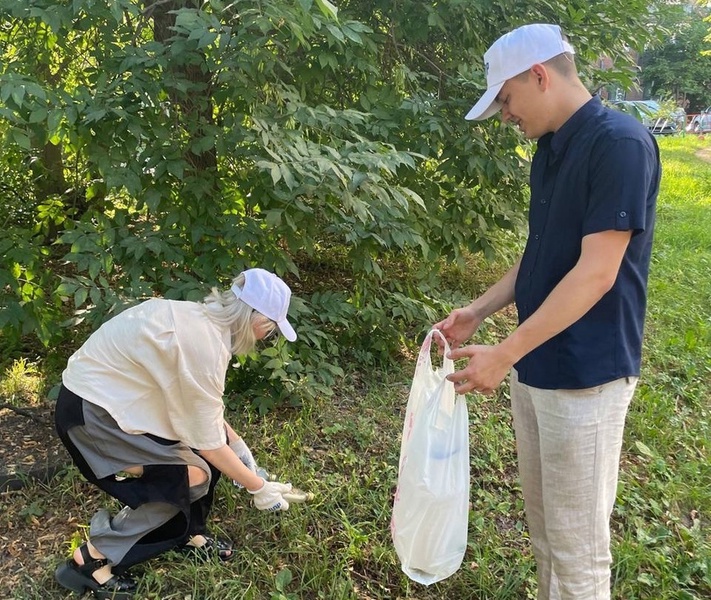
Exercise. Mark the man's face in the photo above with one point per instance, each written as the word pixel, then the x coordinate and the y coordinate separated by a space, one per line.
pixel 521 101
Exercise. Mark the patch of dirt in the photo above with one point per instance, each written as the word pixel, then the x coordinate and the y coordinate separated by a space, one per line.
pixel 30 446
pixel 34 529
pixel 704 154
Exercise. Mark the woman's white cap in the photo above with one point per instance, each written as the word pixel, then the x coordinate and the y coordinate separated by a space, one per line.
pixel 512 54
pixel 269 295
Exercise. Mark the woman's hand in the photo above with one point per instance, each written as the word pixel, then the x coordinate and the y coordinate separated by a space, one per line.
pixel 270 496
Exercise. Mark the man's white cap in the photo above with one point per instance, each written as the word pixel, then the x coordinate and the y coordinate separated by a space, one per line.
pixel 269 295
pixel 512 54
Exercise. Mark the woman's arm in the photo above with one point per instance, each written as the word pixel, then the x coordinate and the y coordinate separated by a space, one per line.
pixel 227 462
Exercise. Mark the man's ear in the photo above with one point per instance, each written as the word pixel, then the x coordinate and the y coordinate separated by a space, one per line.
pixel 540 76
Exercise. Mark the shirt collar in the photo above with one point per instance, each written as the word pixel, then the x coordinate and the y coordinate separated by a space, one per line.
pixel 560 139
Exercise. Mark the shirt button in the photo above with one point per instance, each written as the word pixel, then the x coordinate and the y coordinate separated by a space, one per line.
pixel 535 237
pixel 623 214
pixel 543 200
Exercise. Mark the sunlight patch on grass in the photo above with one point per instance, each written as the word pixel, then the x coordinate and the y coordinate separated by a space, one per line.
pixel 22 383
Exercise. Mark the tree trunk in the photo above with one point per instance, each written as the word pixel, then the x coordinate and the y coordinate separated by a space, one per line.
pixel 190 107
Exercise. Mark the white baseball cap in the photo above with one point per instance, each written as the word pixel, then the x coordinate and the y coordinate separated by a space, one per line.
pixel 512 54
pixel 269 295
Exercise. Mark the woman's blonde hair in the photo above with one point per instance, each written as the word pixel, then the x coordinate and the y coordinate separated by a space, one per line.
pixel 225 309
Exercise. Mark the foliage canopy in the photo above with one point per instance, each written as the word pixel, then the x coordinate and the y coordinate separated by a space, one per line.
pixel 160 147
pixel 680 67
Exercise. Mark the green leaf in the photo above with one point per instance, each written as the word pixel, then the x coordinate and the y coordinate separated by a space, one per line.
pixel 351 34
pixel 644 449
pixel 38 115
pixel 21 138
pixel 203 144
pixel 207 39
pixel 95 295
pixel 66 288
pixel 10 115
pixel 54 119
pixel 283 579
pixel 18 94
pixel 288 177
pixel 273 217
pixel 328 9
pixel 80 296
pixel 116 11
pixel 336 32
pixel 94 267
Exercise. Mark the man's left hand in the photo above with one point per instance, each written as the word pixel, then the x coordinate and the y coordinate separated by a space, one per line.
pixel 487 368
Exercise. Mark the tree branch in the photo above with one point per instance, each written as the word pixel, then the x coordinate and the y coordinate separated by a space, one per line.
pixel 24 413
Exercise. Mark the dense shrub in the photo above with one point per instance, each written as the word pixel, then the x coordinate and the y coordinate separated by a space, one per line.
pixel 162 147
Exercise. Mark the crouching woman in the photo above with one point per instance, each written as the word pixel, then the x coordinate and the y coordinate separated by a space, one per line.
pixel 141 413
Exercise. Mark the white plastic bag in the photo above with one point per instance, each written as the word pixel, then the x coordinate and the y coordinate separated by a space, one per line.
pixel 431 507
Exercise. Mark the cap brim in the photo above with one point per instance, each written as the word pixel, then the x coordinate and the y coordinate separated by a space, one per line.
pixel 287 330
pixel 487 105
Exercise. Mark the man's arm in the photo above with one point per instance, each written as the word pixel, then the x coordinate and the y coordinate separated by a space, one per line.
pixel 591 278
pixel 498 296
pixel 461 324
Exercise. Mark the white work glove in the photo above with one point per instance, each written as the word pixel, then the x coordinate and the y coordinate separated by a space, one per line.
pixel 244 454
pixel 270 496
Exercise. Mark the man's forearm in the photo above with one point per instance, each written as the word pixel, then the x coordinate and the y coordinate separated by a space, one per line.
pixel 498 296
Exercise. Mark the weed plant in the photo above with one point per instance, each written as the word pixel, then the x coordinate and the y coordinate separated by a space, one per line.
pixel 344 448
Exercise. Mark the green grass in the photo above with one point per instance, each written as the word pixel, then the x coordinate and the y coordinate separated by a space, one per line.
pixel 345 449
pixel 21 383
pixel 662 523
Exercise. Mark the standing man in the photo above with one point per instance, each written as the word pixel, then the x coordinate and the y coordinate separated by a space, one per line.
pixel 580 288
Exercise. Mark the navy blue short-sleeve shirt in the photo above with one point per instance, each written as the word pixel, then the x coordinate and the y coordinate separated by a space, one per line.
pixel 600 171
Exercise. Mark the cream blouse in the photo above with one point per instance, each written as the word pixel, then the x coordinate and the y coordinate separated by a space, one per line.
pixel 157 368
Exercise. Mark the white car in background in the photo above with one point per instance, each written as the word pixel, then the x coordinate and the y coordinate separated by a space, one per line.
pixel 647 111
pixel 700 123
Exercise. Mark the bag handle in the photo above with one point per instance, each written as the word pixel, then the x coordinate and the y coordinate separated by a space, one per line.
pixel 424 358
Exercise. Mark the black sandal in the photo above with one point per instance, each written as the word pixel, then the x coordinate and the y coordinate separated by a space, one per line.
pixel 78 578
pixel 212 548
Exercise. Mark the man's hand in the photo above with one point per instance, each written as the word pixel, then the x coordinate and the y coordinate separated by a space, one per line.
pixel 270 496
pixel 487 368
pixel 458 327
